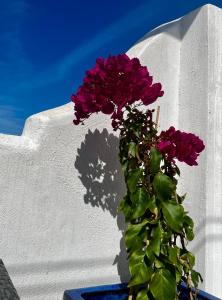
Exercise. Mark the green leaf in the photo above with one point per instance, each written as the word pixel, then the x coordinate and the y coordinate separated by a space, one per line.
pixel 163 249
pixel 188 221
pixel 136 257
pixel 132 149
pixel 140 274
pixel 159 264
pixel 173 214
pixel 167 235
pixel 163 186
pixel 163 285
pixel 188 258
pixel 189 233
pixel 196 278
pixel 179 273
pixel 152 205
pixel 141 201
pixel 150 255
pixel 142 295
pixel 140 196
pixel 133 238
pixel 133 179
pixel 138 269
pixel 126 208
pixel 156 239
pixel 155 159
pixel 191 259
pixel 173 254
pixel 188 226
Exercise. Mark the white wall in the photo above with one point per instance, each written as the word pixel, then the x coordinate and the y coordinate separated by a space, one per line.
pixel 60 184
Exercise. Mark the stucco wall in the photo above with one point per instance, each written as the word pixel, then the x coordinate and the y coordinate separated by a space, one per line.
pixel 60 184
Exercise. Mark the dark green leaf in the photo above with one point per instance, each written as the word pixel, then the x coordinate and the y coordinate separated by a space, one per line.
pixel 133 179
pixel 189 258
pixel 150 255
pixel 136 257
pixel 188 226
pixel 142 295
pixel 155 159
pixel 173 214
pixel 188 221
pixel 196 278
pixel 163 186
pixel 132 149
pixel 140 195
pixel 179 272
pixel 156 239
pixel 189 233
pixel 167 235
pixel 152 205
pixel 136 243
pixel 163 249
pixel 159 264
pixel 141 201
pixel 163 285
pixel 140 274
pixel 173 253
pixel 132 235
pixel 126 208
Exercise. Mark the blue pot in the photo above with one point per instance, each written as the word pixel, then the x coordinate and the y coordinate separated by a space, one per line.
pixel 120 292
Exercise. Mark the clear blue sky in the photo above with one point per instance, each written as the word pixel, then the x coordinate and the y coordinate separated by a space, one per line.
pixel 47 45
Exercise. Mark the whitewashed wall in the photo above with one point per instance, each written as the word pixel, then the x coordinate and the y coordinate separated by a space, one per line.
pixel 60 184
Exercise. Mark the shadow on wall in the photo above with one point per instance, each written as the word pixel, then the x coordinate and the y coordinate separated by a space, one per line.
pixel 98 165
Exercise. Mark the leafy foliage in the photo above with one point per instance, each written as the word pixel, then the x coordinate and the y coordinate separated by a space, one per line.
pixel 159 226
pixel 173 214
pixel 163 285
pixel 155 159
pixel 163 186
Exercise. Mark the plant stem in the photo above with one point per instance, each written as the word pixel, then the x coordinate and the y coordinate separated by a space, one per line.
pixel 157 116
pixel 176 197
pixel 130 297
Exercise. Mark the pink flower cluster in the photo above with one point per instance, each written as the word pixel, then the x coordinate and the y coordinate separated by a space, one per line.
pixel 111 85
pixel 186 147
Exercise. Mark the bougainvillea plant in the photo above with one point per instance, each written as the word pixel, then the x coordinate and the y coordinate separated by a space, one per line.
pixel 158 226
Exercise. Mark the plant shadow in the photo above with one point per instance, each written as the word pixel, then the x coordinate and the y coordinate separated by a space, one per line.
pixel 100 173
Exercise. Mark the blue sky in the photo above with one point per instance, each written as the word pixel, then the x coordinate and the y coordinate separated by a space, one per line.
pixel 46 46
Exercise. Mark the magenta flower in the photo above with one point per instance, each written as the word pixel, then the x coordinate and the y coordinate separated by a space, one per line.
pixel 112 84
pixel 183 146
